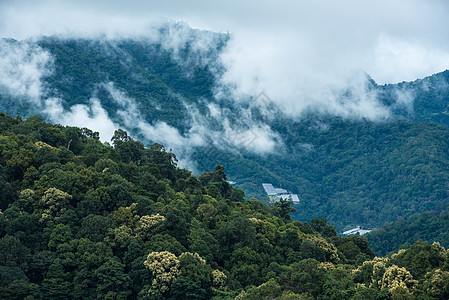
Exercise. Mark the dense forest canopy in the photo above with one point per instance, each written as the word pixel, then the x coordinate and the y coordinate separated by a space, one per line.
pixel 82 219
pixel 132 159
pixel 351 171
pixel 427 226
pixel 355 173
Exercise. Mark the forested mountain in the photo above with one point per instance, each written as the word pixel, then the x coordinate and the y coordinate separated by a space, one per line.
pixel 82 219
pixel 353 171
pixel 361 173
pixel 429 97
pixel 428 226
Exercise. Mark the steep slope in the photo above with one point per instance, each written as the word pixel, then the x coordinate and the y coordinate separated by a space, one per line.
pixel 81 219
pixel 352 171
pixel 430 226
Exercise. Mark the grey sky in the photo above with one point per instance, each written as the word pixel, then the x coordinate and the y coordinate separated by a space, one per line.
pixel 391 40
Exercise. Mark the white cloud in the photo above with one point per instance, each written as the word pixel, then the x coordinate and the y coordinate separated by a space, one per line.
pixel 244 134
pixel 303 54
pixel 248 135
pixel 307 54
pixel 402 60
pixel 160 132
pixel 214 110
pixel 92 116
pixel 259 139
pixel 294 37
pixel 22 67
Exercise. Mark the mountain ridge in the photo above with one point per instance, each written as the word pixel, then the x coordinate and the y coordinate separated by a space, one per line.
pixel 151 92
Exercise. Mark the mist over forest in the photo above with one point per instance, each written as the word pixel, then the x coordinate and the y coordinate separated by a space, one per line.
pixel 128 139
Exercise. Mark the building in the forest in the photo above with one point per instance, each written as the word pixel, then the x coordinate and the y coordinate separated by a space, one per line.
pixel 358 231
pixel 278 193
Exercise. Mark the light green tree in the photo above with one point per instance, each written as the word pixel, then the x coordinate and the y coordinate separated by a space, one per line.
pixel 165 268
pixel 54 203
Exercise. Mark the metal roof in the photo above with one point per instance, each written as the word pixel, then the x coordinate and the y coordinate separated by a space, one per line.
pixel 269 188
pixel 280 191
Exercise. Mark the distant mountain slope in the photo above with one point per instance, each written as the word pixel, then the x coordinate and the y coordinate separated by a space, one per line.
pixel 147 72
pixel 429 226
pixel 426 99
pixel 352 171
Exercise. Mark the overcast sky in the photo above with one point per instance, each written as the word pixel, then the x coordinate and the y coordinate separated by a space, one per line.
pixel 391 40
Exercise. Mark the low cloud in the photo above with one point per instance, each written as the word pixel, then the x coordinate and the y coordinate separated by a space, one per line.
pixel 92 116
pixel 238 133
pixel 304 55
pixel 26 65
pixel 259 139
pixel 404 100
pixel 130 117
pixel 307 57
pixel 245 136
pixel 299 84
pixel 22 68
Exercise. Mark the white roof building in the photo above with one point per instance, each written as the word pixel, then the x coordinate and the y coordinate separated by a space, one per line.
pixel 358 230
pixel 269 189
pixel 278 193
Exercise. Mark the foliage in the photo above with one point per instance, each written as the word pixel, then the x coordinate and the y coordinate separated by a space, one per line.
pixel 353 172
pixel 165 268
pixel 79 226
pixel 428 226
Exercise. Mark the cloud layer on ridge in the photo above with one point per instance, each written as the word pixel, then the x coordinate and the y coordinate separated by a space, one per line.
pixel 391 41
pixel 305 55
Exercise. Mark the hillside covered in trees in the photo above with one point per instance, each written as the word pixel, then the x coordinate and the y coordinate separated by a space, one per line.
pixel 428 226
pixel 351 171
pixel 82 219
pixel 356 173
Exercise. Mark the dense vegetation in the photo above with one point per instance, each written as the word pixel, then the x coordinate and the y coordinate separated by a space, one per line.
pixel 429 226
pixel 85 220
pixel 351 172
pixel 429 97
pixel 147 72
